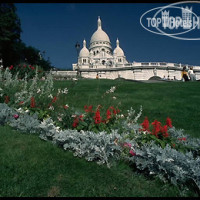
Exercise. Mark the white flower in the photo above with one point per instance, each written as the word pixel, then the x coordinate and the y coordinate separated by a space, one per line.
pixel 51 108
pixel 38 91
pixel 169 160
pixel 57 128
pixel 59 90
pixel 50 96
pixel 65 91
pixel 1 89
pixel 27 111
pixel 112 89
pixel 114 98
pixel 20 110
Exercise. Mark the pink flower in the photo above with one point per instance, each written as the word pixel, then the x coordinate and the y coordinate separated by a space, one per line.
pixel 16 116
pixel 132 153
pixel 127 145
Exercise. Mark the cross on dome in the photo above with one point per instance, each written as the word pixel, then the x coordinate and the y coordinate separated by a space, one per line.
pixel 99 23
pixel 117 43
pixel 84 43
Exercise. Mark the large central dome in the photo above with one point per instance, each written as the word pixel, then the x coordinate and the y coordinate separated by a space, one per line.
pixel 99 37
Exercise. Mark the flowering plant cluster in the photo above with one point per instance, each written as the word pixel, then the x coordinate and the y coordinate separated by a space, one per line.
pixel 24 69
pixel 96 120
pixel 161 136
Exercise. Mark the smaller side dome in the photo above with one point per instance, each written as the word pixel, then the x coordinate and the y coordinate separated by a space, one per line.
pixel 84 52
pixel 118 51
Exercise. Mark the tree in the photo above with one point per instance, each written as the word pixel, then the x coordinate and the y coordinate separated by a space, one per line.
pixel 12 50
pixel 10 30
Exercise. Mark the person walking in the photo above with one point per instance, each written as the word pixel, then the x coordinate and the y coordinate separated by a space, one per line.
pixel 184 74
pixel 191 74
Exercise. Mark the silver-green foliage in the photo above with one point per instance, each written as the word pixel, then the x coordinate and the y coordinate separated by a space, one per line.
pixel 6 113
pixel 168 163
pixel 24 122
pixel 99 147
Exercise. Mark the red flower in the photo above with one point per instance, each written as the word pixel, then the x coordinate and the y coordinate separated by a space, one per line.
pixel 75 123
pixel 182 139
pixel 169 122
pixel 24 66
pixel 81 117
pixel 88 108
pixel 54 99
pixel 108 113
pixel 32 102
pixel 173 145
pixel 7 99
pixel 145 124
pixel 32 68
pixel 11 67
pixel 97 117
pixel 114 111
pixel 157 128
pixel 164 131
pixel 76 120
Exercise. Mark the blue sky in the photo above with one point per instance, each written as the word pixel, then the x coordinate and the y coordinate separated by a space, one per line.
pixel 56 27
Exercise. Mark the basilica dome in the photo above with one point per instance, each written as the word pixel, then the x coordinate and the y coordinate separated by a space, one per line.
pixel 99 37
pixel 84 51
pixel 118 51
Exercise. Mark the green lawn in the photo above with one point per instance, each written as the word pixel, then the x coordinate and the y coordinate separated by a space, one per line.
pixel 31 167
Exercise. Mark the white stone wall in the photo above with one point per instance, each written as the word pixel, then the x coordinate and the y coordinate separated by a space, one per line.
pixel 137 74
pixel 133 74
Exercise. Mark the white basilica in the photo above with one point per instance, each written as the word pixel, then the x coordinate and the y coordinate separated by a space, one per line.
pixel 100 53
pixel 101 59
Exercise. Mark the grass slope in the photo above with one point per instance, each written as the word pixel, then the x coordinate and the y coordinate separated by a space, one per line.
pixel 33 168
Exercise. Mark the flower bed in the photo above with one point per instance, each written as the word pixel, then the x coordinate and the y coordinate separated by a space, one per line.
pixel 103 134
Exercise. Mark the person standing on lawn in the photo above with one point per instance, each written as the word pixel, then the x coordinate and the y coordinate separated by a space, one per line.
pixel 184 74
pixel 191 74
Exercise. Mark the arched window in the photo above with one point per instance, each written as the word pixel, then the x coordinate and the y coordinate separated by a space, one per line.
pixel 103 62
pixel 97 51
pixel 94 53
pixel 102 49
pixel 119 60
